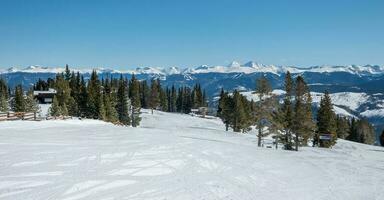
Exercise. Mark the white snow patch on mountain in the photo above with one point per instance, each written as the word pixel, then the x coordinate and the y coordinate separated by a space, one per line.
pixel 373 113
pixel 234 67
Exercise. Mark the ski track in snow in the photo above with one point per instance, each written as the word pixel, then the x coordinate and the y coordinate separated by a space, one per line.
pixel 174 156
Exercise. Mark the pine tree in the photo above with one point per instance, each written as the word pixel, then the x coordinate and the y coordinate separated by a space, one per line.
pixel 287 111
pixel 67 74
pixel 31 104
pixel 225 109
pixel 123 103
pixel 3 103
pixel 63 93
pixel 144 94
pixel 326 121
pixel 264 107
pixel 110 110
pixel 83 99
pixel 382 138
pixel 239 113
pixel 173 99
pixel 365 132
pixel 3 96
pixel 55 109
pixel 342 125
pixel 18 104
pixel 135 101
pixel 303 123
pixel 102 111
pixel 154 100
pixel 352 133
pixel 93 96
pixel 163 100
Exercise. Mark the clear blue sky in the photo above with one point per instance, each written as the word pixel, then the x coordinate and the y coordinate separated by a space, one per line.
pixel 123 34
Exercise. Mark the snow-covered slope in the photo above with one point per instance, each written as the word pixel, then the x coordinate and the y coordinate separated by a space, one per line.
pixel 174 156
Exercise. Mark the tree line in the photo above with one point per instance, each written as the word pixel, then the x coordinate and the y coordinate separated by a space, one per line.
pixel 292 121
pixel 116 100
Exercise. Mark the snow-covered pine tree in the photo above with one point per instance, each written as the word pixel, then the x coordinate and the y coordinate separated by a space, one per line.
pixel 326 121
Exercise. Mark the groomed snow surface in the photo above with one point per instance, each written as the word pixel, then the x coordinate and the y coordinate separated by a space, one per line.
pixel 174 156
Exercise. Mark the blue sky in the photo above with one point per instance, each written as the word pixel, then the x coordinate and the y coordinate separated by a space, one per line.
pixel 125 34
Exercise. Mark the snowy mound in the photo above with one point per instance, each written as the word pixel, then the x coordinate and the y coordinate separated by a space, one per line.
pixel 175 156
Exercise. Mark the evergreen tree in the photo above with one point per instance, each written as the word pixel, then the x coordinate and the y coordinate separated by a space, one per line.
pixel 55 109
pixel 144 94
pixel 342 125
pixel 67 74
pixel 102 111
pixel 239 113
pixel 382 138
pixel 303 125
pixel 365 132
pixel 179 100
pixel 110 110
pixel 83 99
pixel 173 99
pixel 93 96
pixel 134 89
pixel 18 104
pixel 225 109
pixel 352 135
pixel 287 111
pixel 4 89
pixel 264 106
pixel 163 100
pixel 3 96
pixel 154 100
pixel 326 121
pixel 122 105
pixel 187 100
pixel 3 103
pixel 63 93
pixel 31 105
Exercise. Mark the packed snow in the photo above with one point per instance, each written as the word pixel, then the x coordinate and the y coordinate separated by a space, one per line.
pixel 175 156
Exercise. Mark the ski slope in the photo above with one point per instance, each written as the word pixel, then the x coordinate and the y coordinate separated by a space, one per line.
pixel 175 156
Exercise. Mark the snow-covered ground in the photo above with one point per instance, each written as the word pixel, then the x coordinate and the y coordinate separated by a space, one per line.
pixel 174 156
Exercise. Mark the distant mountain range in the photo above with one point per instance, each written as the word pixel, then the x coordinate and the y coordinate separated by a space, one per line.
pixel 357 90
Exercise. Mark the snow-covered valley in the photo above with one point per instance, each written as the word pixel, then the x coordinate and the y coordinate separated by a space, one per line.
pixel 174 156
